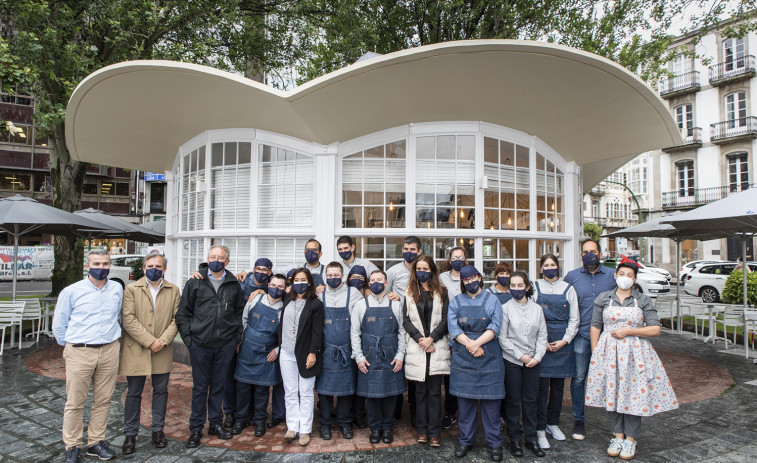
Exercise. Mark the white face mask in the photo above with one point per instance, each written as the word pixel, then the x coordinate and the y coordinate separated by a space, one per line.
pixel 624 282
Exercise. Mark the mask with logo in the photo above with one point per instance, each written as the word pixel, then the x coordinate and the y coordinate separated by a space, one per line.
pixel 550 273
pixel 261 277
pixel 154 274
pixel 503 281
pixel 422 276
pixel 334 282
pixel 457 265
pixel 518 294
pixel 276 293
pixel 472 287
pixel 216 266
pixel 99 273
pixel 590 260
pixel 345 255
pixel 377 287
pixel 300 288
pixel 409 256
pixel 356 283
pixel 311 257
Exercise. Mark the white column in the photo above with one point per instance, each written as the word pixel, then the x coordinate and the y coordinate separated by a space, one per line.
pixel 572 205
pixel 326 197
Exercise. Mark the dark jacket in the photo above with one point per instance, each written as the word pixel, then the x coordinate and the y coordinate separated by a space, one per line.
pixel 309 337
pixel 208 318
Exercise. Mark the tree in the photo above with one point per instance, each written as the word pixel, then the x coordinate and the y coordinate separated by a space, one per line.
pixel 592 230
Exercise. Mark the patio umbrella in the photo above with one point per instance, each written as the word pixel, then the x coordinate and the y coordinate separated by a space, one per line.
pixel 20 215
pixel 113 227
pixel 156 226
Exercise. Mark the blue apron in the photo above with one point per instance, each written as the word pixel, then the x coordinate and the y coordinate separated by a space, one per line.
pixel 560 364
pixel 260 338
pixel 317 277
pixel 471 377
pixel 379 330
pixel 503 297
pixel 338 375
pixel 249 287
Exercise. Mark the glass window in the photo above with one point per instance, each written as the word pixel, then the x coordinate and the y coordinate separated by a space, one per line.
pixel 193 191
pixel 738 172
pixel 192 254
pixel 230 169
pixel 735 109
pixel 285 188
pixel 240 256
pixel 283 251
pixel 512 251
pixel 90 187
pixel 685 176
pixel 122 188
pixel 549 247
pixel 157 197
pixel 733 53
pixel 15 181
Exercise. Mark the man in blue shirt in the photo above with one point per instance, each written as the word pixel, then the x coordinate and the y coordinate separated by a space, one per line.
pixel 86 322
pixel 589 281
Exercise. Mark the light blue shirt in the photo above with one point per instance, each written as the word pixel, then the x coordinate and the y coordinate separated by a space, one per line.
pixel 492 307
pixel 85 314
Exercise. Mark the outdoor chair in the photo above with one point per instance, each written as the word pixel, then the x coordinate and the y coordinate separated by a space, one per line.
pixel 711 311
pixel 33 312
pixel 732 316
pixel 666 305
pixel 10 316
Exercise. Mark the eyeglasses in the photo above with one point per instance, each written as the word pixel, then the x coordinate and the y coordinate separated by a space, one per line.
pixel 471 279
pixel 457 258
pixel 333 275
pixel 262 269
pixel 313 249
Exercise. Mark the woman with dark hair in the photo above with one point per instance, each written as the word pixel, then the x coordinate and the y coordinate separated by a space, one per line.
pixel 523 338
pixel 559 302
pixel 476 370
pixel 501 289
pixel 428 357
pixel 300 341
pixel 626 376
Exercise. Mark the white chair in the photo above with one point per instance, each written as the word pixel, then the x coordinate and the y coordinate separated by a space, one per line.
pixel 33 312
pixel 10 316
pixel 665 305
pixel 733 316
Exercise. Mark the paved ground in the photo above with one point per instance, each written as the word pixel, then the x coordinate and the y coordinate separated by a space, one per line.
pixel 722 428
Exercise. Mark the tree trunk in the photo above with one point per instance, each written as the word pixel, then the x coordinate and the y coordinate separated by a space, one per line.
pixel 67 177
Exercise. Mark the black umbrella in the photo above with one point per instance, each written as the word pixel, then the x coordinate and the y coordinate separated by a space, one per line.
pixel 113 227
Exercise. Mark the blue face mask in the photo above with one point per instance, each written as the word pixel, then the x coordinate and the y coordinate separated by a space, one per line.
pixel 377 288
pixel 356 283
pixel 261 277
pixel 550 273
pixel 216 266
pixel 457 265
pixel 333 282
pixel 275 293
pixel 518 294
pixel 345 255
pixel 300 288
pixel 409 256
pixel 590 260
pixel 472 287
pixel 99 273
pixel 311 257
pixel 503 281
pixel 422 276
pixel 154 274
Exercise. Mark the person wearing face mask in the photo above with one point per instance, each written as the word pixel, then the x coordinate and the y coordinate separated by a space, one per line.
pixel 589 281
pixel 313 263
pixel 501 288
pixel 626 377
pixel 86 322
pixel 559 302
pixel 256 368
pixel 346 249
pixel 378 347
pixel 209 320
pixel 477 374
pixel 148 312
pixel 427 360
pixel 337 379
pixel 301 344
pixel 357 278
pixel 523 338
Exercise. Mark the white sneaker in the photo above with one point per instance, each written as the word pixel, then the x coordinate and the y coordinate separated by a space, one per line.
pixel 616 446
pixel 628 451
pixel 541 439
pixel 554 430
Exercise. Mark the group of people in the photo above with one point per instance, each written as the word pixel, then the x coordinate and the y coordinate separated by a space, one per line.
pixel 360 338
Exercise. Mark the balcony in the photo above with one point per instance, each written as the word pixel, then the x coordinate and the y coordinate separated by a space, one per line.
pixel 692 139
pixel 598 189
pixel 734 70
pixel 692 197
pixel 680 84
pixel 734 130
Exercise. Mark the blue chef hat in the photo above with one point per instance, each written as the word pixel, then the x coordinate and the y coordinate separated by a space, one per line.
pixel 264 262
pixel 290 274
pixel 358 269
pixel 468 271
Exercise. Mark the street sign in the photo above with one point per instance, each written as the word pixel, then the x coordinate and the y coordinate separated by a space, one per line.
pixel 154 177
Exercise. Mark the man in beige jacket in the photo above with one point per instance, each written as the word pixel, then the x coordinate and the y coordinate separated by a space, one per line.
pixel 148 312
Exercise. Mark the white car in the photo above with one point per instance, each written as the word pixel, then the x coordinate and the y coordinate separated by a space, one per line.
pixel 708 280
pixel 653 268
pixel 651 283
pixel 689 266
pixel 120 268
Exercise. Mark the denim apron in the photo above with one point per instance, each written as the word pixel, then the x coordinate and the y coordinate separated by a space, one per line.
pixel 471 377
pixel 260 338
pixel 249 287
pixel 317 277
pixel 560 364
pixel 378 336
pixel 338 375
pixel 503 297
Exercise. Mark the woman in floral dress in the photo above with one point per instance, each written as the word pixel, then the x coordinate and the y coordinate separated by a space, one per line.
pixel 626 376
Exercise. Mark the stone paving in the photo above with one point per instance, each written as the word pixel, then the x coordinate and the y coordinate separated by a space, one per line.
pixel 716 422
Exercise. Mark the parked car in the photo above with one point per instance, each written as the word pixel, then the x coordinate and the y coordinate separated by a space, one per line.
pixel 120 268
pixel 651 283
pixel 708 280
pixel 689 266
pixel 653 268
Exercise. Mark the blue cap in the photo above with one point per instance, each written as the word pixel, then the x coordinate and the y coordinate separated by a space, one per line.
pixel 468 271
pixel 359 270
pixel 264 262
pixel 290 273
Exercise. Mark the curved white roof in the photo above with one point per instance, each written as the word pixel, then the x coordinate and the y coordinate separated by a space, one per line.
pixel 589 109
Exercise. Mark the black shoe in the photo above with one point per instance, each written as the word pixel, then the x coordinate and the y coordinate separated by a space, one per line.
pixel 515 449
pixel 194 439
pixel 388 436
pixel 220 432
pixel 535 449
pixel 260 429
pixel 360 423
pixel 130 445
pixel 578 431
pixel 73 454
pixel 229 420
pixel 462 450
pixel 239 426
pixel 375 436
pixel 101 451
pixel 495 453
pixel 346 430
pixel 325 432
pixel 159 439
pixel 412 420
pixel 275 422
pixel 448 421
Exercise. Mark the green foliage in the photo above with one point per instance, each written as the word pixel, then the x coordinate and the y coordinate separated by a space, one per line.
pixel 136 269
pixel 733 292
pixel 592 230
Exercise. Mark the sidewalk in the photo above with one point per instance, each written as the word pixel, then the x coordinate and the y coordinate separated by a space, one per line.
pixel 719 429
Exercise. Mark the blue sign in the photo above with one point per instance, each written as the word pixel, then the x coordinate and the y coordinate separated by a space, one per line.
pixel 154 177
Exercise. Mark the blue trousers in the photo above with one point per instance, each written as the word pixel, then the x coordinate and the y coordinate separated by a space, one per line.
pixel 582 349
pixel 209 369
pixel 468 424
pixel 278 408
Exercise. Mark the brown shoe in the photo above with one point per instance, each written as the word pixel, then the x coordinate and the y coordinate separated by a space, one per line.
pixel 422 438
pixel 289 436
pixel 130 445
pixel 159 439
pixel 435 442
pixel 304 439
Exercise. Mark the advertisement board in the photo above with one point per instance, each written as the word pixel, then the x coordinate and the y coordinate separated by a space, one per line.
pixel 34 262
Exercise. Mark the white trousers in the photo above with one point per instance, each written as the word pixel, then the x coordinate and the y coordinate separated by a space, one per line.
pixel 298 394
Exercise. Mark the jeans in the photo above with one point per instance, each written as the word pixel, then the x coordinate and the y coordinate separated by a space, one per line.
pixel 133 402
pixel 209 369
pixel 582 349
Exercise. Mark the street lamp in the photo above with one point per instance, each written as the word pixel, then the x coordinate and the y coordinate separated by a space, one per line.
pixel 638 208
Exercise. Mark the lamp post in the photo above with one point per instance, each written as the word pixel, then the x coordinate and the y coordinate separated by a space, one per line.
pixel 638 208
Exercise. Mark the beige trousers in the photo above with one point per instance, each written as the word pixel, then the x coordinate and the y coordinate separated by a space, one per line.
pixel 85 366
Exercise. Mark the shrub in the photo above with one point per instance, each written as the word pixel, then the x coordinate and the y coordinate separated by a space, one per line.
pixel 136 269
pixel 733 292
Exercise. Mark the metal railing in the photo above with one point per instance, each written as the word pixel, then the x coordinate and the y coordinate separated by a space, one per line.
pixel 686 197
pixel 733 68
pixel 691 136
pixel 679 83
pixel 733 128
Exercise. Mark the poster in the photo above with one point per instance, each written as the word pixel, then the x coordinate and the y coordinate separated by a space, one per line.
pixel 34 262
